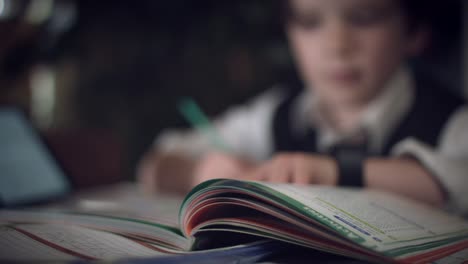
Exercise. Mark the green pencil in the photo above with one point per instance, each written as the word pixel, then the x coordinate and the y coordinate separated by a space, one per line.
pixel 195 116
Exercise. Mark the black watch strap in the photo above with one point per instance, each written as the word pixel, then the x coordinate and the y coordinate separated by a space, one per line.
pixel 350 166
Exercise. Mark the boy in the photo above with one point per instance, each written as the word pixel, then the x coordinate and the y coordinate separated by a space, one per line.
pixel 363 119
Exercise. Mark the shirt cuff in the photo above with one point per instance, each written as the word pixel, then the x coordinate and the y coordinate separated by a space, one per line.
pixel 451 173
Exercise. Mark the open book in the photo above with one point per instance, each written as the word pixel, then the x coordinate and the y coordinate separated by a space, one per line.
pixel 367 225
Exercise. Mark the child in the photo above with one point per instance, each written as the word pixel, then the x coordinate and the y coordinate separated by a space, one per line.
pixel 363 118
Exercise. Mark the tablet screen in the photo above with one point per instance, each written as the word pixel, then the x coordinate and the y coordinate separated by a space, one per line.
pixel 28 171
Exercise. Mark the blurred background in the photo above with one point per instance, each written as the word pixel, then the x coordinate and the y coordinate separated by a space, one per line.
pixel 101 79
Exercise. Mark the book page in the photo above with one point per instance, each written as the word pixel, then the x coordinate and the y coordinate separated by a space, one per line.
pixel 455 258
pixel 124 199
pixel 376 220
pixel 134 227
pixel 16 246
pixel 61 242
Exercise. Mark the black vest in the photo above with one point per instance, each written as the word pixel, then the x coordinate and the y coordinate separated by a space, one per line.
pixel 431 109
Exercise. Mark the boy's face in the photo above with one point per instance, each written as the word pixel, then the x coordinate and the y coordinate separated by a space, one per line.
pixel 347 49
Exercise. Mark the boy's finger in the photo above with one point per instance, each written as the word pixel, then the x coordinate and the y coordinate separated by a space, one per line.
pixel 301 177
pixel 280 173
pixel 253 174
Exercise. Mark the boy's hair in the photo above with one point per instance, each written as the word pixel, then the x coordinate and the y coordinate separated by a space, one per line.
pixel 418 13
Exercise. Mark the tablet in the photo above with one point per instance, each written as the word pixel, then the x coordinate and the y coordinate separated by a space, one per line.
pixel 29 173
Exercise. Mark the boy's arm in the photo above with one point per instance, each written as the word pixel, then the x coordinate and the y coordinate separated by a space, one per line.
pixel 403 176
pixel 171 162
pixel 447 162
pixel 436 175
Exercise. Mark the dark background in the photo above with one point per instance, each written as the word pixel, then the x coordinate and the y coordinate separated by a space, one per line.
pixel 120 68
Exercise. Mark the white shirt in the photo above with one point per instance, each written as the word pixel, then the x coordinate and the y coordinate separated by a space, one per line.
pixel 247 131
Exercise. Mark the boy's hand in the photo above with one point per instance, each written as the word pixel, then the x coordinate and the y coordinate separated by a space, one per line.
pixel 297 168
pixel 220 165
pixel 164 172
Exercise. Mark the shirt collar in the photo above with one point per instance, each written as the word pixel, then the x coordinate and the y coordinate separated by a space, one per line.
pixel 380 118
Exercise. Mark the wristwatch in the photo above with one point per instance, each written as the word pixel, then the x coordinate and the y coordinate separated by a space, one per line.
pixel 350 161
